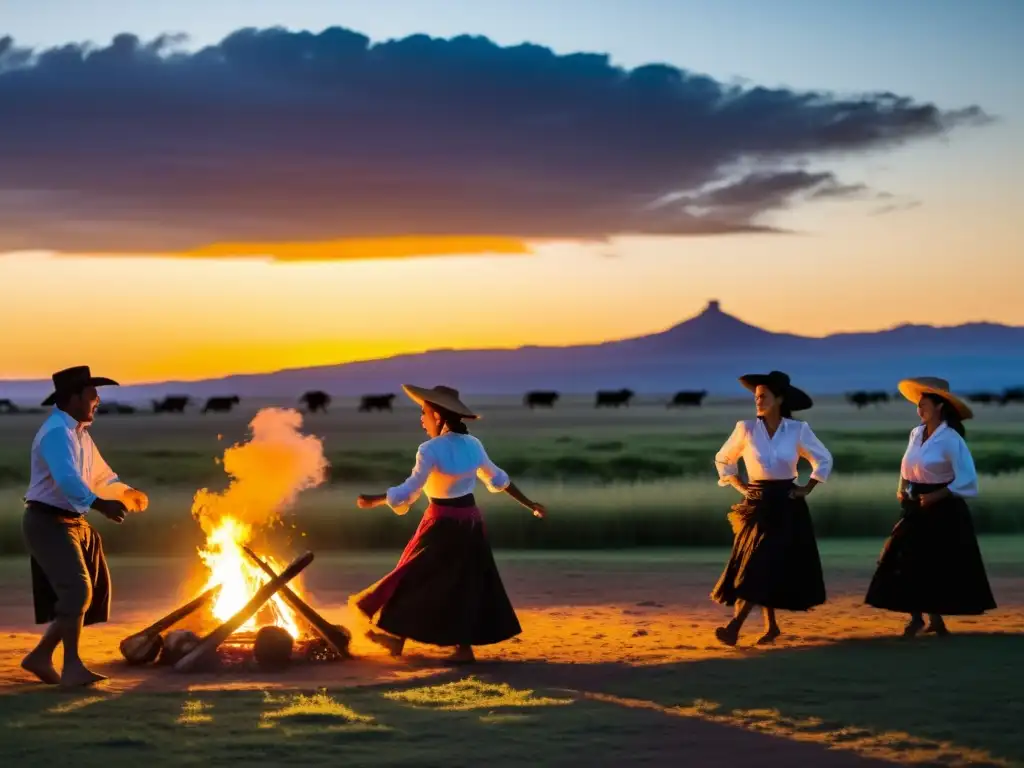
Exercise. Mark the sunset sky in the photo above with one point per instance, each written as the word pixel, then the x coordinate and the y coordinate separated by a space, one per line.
pixel 250 201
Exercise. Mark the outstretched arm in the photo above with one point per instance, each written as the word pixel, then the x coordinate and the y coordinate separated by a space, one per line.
pixel 57 449
pixel 109 485
pixel 403 496
pixel 537 508
pixel 497 480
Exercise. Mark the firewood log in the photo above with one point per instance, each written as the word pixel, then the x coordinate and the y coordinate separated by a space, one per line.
pixel 209 643
pixel 336 637
pixel 144 646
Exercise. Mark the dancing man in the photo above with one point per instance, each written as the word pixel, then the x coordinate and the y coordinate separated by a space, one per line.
pixel 70 579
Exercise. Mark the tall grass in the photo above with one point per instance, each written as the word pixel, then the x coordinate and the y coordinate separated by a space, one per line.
pixel 658 513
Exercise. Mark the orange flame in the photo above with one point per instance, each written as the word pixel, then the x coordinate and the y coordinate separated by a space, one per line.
pixel 267 474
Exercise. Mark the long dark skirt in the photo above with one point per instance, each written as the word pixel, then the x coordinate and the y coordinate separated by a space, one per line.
pixel 446 589
pixel 774 561
pixel 931 562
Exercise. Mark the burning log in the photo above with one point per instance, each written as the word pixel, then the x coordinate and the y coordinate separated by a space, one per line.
pixel 143 647
pixel 337 638
pixel 209 643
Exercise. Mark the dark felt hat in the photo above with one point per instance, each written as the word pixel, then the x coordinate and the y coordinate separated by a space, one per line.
pixel 777 381
pixel 75 379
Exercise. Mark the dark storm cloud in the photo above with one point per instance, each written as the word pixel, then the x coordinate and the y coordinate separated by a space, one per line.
pixel 274 135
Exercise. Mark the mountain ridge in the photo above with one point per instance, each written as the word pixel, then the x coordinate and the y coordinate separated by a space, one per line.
pixel 707 351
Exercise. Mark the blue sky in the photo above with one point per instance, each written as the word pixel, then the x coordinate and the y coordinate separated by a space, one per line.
pixel 943 258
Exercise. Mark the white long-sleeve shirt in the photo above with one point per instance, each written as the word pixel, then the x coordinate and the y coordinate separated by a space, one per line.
pixel 769 457
pixel 67 469
pixel 942 458
pixel 447 467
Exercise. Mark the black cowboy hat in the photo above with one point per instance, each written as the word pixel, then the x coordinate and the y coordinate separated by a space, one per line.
pixel 795 398
pixel 75 379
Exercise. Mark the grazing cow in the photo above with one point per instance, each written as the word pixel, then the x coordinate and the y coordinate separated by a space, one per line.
pixel 119 408
pixel 1012 395
pixel 316 401
pixel 540 399
pixel 862 398
pixel 613 399
pixel 171 404
pixel 221 404
pixel 687 398
pixel 985 398
pixel 6 406
pixel 376 403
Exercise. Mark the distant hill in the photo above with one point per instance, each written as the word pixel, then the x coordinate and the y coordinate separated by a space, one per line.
pixel 707 351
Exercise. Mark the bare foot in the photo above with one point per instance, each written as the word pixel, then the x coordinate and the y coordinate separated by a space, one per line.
pixel 393 645
pixel 913 627
pixel 937 628
pixel 79 676
pixel 727 635
pixel 42 667
pixel 769 637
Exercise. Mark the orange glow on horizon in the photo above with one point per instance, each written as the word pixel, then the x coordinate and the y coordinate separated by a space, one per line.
pixel 363 248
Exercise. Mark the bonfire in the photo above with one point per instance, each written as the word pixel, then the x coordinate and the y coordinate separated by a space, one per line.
pixel 256 602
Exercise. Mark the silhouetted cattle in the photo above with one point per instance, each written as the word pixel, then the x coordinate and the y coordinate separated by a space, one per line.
pixel 613 399
pixel 118 408
pixel 6 406
pixel 221 404
pixel 171 404
pixel 316 401
pixel 688 398
pixel 1012 395
pixel 862 399
pixel 984 398
pixel 540 399
pixel 376 403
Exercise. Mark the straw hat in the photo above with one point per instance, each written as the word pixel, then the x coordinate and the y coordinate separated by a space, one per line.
pixel 440 396
pixel 912 389
pixel 795 398
pixel 75 380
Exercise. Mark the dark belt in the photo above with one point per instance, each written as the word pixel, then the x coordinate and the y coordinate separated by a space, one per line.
pixel 759 489
pixel 459 502
pixel 915 490
pixel 49 509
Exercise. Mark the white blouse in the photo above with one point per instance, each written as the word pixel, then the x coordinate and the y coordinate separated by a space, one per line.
pixel 772 457
pixel 447 467
pixel 942 458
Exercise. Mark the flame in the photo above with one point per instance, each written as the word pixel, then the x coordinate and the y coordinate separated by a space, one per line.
pixel 267 474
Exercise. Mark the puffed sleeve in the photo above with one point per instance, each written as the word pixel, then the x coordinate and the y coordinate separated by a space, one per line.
pixel 965 476
pixel 494 478
pixel 58 449
pixel 728 457
pixel 812 449
pixel 403 496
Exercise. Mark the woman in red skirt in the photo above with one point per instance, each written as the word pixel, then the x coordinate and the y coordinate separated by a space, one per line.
pixel 446 589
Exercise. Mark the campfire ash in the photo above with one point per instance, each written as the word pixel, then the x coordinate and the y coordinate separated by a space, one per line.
pixel 262 617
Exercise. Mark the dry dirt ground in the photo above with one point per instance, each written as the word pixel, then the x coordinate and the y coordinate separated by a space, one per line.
pixel 630 635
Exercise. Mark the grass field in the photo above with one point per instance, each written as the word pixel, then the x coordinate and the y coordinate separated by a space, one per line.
pixel 640 476
pixel 616 666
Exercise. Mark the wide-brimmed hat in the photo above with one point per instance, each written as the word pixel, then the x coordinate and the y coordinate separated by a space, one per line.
pixel 442 397
pixel 795 398
pixel 75 379
pixel 912 389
